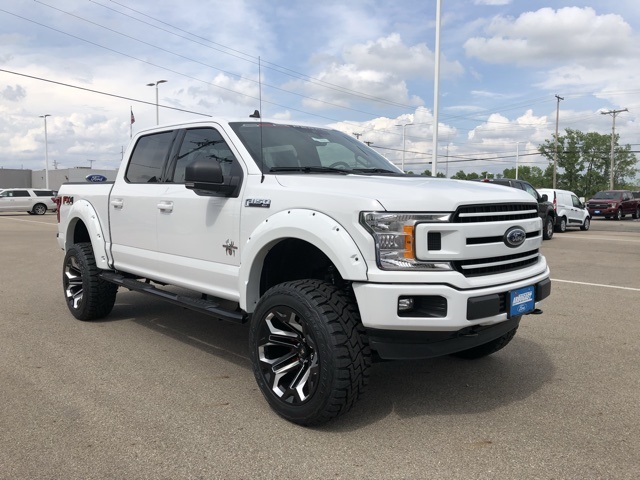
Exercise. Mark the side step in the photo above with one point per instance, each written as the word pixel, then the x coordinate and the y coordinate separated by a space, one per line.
pixel 207 307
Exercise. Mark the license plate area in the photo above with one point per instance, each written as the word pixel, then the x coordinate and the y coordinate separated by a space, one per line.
pixel 522 301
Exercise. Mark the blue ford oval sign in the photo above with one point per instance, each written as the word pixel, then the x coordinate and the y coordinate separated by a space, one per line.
pixel 514 237
pixel 94 177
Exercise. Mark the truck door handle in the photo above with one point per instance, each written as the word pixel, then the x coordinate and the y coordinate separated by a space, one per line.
pixel 117 203
pixel 166 206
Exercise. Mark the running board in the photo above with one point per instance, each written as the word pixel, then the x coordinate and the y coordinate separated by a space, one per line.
pixel 207 307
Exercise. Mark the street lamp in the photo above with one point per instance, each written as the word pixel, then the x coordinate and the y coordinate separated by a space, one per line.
pixel 403 125
pixel 155 84
pixel 46 152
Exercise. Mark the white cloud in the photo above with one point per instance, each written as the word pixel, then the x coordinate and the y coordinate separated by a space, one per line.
pixel 548 37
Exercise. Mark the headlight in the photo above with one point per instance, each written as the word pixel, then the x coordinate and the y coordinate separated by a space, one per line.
pixel 394 236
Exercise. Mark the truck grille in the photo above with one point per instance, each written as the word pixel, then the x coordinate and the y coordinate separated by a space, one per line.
pixel 495 212
pixel 492 265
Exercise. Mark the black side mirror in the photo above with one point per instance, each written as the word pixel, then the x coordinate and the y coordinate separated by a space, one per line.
pixel 205 177
pixel 544 198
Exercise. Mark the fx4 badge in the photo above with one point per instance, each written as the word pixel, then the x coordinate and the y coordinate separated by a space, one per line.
pixel 230 248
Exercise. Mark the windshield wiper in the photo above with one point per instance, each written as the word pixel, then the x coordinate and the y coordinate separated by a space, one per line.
pixel 310 170
pixel 375 170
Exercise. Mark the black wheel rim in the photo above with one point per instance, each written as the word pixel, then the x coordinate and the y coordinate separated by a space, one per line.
pixel 288 356
pixel 73 285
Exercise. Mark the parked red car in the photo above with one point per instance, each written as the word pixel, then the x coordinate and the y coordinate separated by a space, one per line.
pixel 614 204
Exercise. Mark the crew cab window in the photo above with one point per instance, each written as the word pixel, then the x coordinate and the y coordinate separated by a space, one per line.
pixel 148 158
pixel 205 144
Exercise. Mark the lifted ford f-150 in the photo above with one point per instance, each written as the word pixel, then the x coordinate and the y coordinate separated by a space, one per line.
pixel 332 253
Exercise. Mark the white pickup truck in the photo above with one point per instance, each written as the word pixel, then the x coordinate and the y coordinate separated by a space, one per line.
pixel 333 254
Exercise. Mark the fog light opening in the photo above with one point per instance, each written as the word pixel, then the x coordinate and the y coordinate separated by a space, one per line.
pixel 405 304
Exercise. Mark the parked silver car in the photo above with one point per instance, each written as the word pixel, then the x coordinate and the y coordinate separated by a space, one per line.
pixel 35 201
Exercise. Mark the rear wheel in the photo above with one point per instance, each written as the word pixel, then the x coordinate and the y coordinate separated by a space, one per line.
pixel 547 231
pixel 488 348
pixel 636 214
pixel 308 349
pixel 586 224
pixel 88 296
pixel 39 209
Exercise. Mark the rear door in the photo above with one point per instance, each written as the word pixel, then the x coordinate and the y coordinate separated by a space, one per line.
pixel 134 204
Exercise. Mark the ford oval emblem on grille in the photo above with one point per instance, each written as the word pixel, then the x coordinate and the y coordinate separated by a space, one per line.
pixel 514 237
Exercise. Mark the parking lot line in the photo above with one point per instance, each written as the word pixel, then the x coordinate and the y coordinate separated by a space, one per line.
pixel 596 285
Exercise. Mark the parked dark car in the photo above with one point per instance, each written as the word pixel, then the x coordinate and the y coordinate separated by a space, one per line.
pixel 545 207
pixel 614 204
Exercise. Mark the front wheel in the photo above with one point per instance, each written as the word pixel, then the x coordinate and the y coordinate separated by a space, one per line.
pixel 618 215
pixel 488 348
pixel 562 225
pixel 309 352
pixel 547 232
pixel 88 296
pixel 586 224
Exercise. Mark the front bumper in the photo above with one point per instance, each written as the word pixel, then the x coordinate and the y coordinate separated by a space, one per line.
pixel 454 308
pixel 601 212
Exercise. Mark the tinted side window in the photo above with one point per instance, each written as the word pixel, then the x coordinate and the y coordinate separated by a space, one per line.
pixel 205 144
pixel 44 193
pixel 148 158
pixel 20 193
pixel 530 190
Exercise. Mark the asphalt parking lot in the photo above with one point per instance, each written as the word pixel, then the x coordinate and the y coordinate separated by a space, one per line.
pixel 155 392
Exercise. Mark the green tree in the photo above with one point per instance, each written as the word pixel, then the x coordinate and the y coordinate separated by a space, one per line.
pixel 584 162
pixel 533 175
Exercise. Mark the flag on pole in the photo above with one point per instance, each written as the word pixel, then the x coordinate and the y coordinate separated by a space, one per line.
pixel 133 119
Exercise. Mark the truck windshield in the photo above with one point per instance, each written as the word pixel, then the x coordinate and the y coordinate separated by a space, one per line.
pixel 293 148
pixel 608 195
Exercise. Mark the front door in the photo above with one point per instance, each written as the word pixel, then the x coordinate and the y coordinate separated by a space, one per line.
pixel 198 235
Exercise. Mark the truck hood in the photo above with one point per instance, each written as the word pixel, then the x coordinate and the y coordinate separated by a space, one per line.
pixel 405 193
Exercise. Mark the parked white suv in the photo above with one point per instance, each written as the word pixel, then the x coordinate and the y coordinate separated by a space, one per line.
pixel 35 201
pixel 570 211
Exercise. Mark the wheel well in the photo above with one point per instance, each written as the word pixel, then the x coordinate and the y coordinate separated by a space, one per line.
pixel 80 233
pixel 294 259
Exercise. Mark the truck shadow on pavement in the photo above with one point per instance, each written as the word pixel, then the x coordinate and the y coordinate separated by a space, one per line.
pixel 407 389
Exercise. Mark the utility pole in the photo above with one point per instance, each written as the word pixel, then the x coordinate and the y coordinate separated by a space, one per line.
pixel 357 135
pixel 613 113
pixel 555 154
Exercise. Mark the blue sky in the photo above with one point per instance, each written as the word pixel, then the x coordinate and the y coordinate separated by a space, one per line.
pixel 363 67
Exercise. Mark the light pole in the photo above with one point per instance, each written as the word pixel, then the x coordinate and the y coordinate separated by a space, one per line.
pixel 555 151
pixel 403 125
pixel 517 157
pixel 155 84
pixel 46 152
pixel 613 113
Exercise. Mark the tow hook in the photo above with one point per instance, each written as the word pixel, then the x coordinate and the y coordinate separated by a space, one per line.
pixel 537 311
